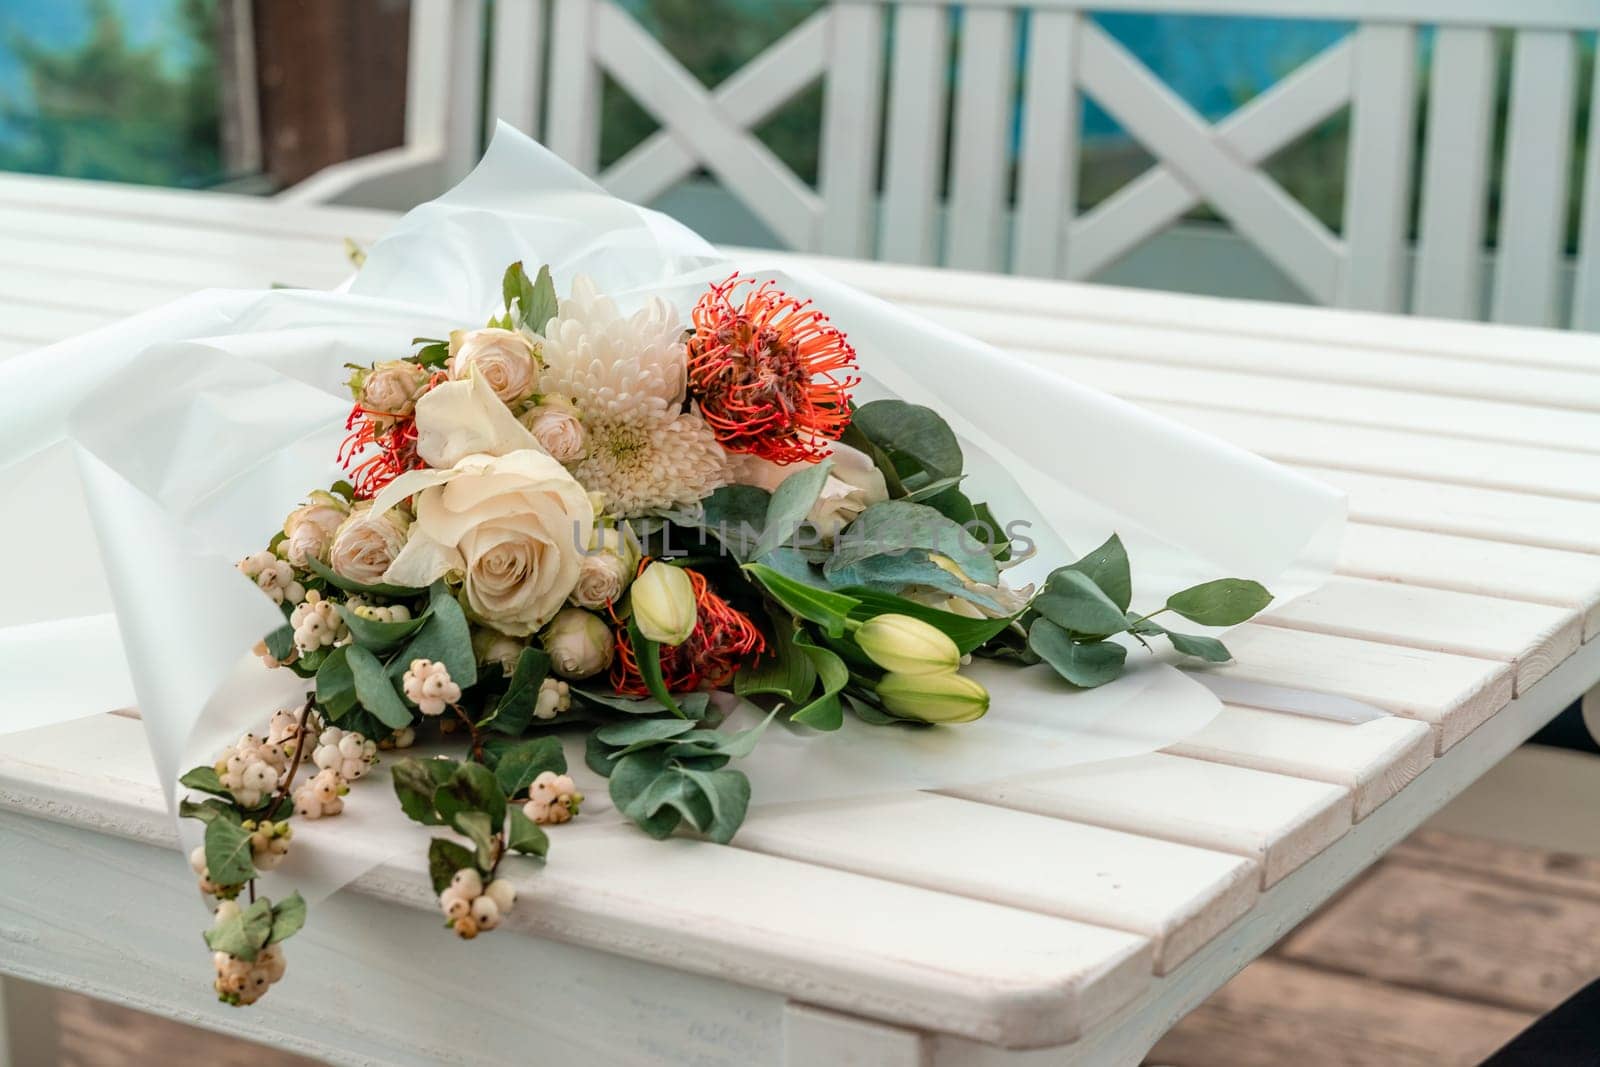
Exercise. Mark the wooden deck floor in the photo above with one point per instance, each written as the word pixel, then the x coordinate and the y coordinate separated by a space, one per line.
pixel 1436 956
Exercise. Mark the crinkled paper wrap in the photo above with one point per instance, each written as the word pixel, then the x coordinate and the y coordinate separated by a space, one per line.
pixel 183 436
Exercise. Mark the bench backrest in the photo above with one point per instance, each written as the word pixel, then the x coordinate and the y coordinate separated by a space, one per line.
pixel 1012 109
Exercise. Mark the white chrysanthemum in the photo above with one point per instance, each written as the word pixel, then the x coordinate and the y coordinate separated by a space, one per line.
pixel 615 369
pixel 643 466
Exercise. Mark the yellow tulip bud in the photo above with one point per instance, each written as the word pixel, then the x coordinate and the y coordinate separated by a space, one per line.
pixel 663 604
pixel 940 698
pixel 907 645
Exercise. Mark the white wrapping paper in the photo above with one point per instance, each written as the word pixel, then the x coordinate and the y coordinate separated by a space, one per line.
pixel 183 436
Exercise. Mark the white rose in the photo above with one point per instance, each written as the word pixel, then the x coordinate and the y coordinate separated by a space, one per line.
pixel 492 646
pixel 309 529
pixel 392 388
pixel 465 418
pixel 579 643
pixel 505 359
pixel 557 430
pixel 367 543
pixel 606 569
pixel 853 485
pixel 512 525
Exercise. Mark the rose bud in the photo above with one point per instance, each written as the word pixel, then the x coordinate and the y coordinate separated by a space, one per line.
pixel 938 698
pixel 664 604
pixel 606 569
pixel 579 643
pixel 506 360
pixel 907 645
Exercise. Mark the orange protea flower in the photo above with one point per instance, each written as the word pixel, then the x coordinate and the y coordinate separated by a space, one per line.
pixel 394 437
pixel 723 640
pixel 772 375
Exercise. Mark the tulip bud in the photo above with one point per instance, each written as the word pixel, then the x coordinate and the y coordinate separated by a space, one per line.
pixel 579 643
pixel 907 645
pixel 664 604
pixel 938 698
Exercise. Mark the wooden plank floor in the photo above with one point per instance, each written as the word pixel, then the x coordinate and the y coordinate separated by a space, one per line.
pixel 1436 956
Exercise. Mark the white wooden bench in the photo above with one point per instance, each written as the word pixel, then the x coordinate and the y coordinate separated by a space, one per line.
pixel 890 91
pixel 1069 918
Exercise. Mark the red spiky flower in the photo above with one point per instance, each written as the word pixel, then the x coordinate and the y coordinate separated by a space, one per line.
pixel 380 446
pixel 722 641
pixel 771 373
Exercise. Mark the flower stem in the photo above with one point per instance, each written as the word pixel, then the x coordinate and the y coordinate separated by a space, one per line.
pixel 300 746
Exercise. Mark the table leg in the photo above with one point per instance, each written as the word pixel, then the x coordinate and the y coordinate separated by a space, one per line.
pixel 27 1025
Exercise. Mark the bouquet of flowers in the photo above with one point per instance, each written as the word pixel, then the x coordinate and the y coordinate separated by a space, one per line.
pixel 668 519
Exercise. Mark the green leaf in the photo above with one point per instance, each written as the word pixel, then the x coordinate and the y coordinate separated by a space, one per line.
pixel 648 655
pixel 1084 664
pixel 288 916
pixel 205 779
pixel 374 689
pixel 790 504
pixel 736 515
pixel 724 745
pixel 642 732
pixel 474 826
pixel 522 763
pixel 444 638
pixel 967 633
pixel 783 669
pixel 631 777
pixel 336 684
pixel 473 787
pixel 897 526
pixel 728 794
pixel 1207 648
pixel 524 835
pixel 544 305
pixel 207 810
pixel 415 783
pixel 1224 602
pixel 1073 601
pixel 435 354
pixel 516 290
pixel 398 592
pixel 245 934
pixel 913 432
pixel 445 858
pixel 825 712
pixel 379 636
pixel 892 573
pixel 1107 567
pixel 280 643
pixel 228 853
pixel 671 791
pixel 693 705
pixel 827 609
pixel 514 711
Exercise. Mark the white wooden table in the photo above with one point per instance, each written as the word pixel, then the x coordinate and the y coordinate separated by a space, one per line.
pixel 1064 919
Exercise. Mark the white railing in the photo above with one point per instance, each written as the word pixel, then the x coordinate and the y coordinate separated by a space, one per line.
pixel 889 93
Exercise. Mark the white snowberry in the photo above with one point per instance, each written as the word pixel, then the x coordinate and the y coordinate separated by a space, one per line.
pixel 320 796
pixel 392 613
pixel 502 892
pixel 555 696
pixel 269 843
pixel 486 912
pixel 316 623
pixel 241 982
pixel 344 751
pixel 252 769
pixel 553 798
pixel 427 684
pixel 468 882
pixel 274 576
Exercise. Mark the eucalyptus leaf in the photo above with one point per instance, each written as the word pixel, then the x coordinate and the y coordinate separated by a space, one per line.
pixel 894 527
pixel 379 636
pixel 736 515
pixel 625 734
pixel 1107 567
pixel 790 503
pixel 1224 602
pixel 1073 601
pixel 374 689
pixel 336 684
pixel 693 705
pixel 1084 664
pixel 727 793
pixel 327 574
pixel 1207 648
pixel 514 711
pixel 444 638
pixel 917 433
